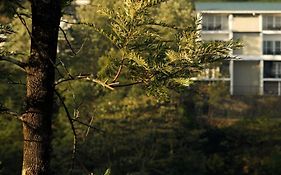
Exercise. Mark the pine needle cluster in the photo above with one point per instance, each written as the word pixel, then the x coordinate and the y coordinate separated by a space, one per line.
pixel 158 54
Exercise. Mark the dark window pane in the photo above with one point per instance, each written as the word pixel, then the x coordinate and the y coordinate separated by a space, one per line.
pixel 271 88
pixel 267 73
pixel 277 47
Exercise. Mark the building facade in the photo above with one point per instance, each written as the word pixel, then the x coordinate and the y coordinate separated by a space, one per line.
pixel 256 69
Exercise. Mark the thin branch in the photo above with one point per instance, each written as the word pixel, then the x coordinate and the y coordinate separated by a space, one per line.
pixel 87 77
pixel 88 125
pixel 15 82
pixel 67 41
pixel 23 22
pixel 5 110
pixel 18 63
pixel 79 23
pixel 79 50
pixel 116 85
pixel 18 4
pixel 65 68
pixel 118 72
pixel 74 149
pixel 88 129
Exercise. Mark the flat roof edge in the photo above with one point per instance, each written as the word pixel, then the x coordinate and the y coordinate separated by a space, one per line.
pixel 238 6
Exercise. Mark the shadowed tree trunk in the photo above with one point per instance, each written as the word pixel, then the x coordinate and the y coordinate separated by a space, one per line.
pixel 40 87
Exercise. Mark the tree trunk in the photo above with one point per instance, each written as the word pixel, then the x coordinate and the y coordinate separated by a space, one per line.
pixel 37 118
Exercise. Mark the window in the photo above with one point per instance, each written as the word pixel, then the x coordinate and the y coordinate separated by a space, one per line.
pixel 214 22
pixel 276 69
pixel 272 47
pixel 272 69
pixel 271 22
pixel 271 88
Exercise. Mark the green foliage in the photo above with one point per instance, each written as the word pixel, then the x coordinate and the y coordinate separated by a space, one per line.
pixel 239 1
pixel 214 100
pixel 11 142
pixel 157 44
pixel 247 147
pixel 150 51
pixel 140 136
pixel 5 31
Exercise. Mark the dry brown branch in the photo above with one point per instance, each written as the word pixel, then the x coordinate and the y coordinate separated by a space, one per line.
pixel 116 85
pixel 118 72
pixel 88 129
pixel 86 77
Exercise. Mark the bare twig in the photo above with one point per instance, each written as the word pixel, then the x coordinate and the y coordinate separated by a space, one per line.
pixel 67 41
pixel 5 110
pixel 79 50
pixel 15 82
pixel 88 129
pixel 116 85
pixel 88 125
pixel 23 22
pixel 74 149
pixel 65 68
pixel 118 72
pixel 79 23
pixel 86 77
pixel 18 63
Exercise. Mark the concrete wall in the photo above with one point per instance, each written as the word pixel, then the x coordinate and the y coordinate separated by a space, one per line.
pixel 246 24
pixel 271 37
pixel 213 37
pixel 246 78
pixel 252 43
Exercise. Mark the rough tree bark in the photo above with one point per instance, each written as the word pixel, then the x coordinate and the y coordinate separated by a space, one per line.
pixel 40 87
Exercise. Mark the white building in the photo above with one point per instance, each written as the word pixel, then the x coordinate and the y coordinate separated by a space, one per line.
pixel 82 2
pixel 257 69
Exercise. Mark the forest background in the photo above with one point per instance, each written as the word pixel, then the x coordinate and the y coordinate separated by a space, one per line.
pixel 199 129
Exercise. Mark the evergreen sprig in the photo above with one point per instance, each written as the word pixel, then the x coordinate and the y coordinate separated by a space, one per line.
pixel 157 53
